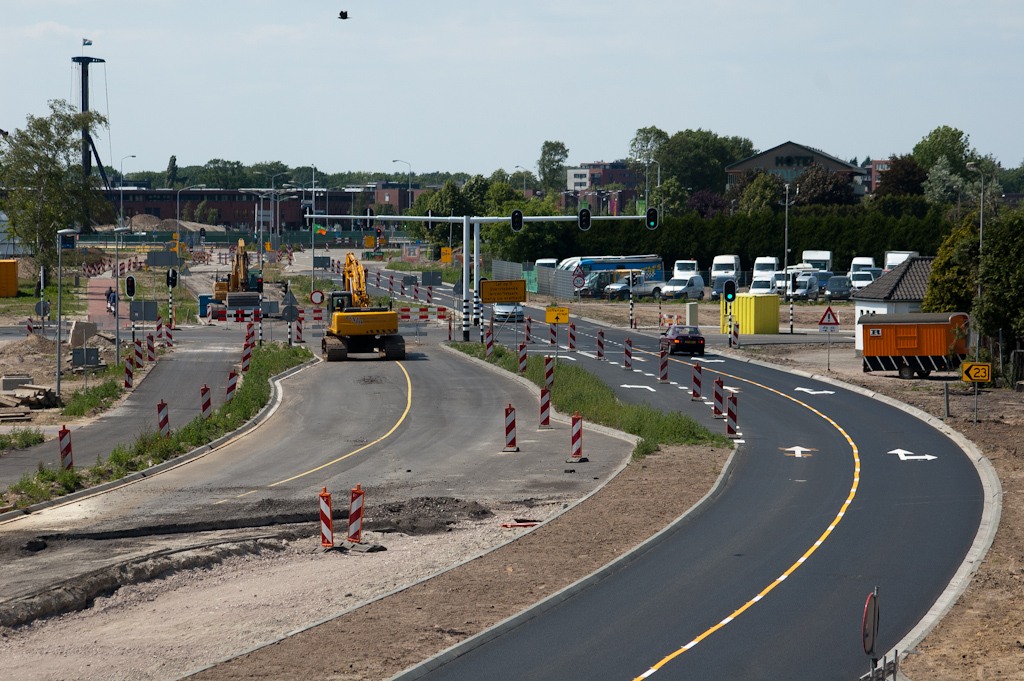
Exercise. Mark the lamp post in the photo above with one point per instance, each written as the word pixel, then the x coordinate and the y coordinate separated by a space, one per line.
pixel 662 209
pixel 785 249
pixel 409 196
pixel 981 238
pixel 177 208
pixel 60 253
pixel 274 216
pixel 122 185
pixel 524 179
pixel 117 295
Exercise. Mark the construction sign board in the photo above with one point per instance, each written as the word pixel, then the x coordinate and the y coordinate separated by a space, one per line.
pixel 503 291
pixel 829 322
pixel 446 254
pixel 976 372
pixel 556 315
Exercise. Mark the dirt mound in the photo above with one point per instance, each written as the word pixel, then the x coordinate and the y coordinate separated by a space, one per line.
pixel 423 515
pixel 30 345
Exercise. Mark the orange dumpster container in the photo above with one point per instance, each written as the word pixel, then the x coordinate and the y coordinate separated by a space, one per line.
pixel 920 342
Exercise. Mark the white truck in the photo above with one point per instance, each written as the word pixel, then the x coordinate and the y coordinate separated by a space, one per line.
pixel 765 267
pixel 860 263
pixel 684 269
pixel 642 287
pixel 725 266
pixel 819 260
pixel 894 258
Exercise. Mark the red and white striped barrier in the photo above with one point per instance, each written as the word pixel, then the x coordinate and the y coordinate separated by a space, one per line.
pixel 695 391
pixel 246 357
pixel 576 453
pixel 391 284
pixel 355 515
pixel 298 331
pixel 163 422
pixel 318 314
pixel 719 406
pixel 29 329
pixel 423 314
pixel 160 326
pixel 528 323
pixel 204 402
pixel 378 278
pixel 150 348
pixel 736 334
pixel 402 293
pixel 600 344
pixel 138 353
pixel 663 374
pixel 553 336
pixel 64 438
pixel 669 319
pixel 416 292
pixel 326 520
pixel 510 429
pixel 522 358
pixel 430 295
pixel 449 329
pixel 488 344
pixel 128 373
pixel 730 421
pixel 627 355
pixel 250 333
pixel 169 342
pixel 545 408
pixel 232 384
pixel 549 371
pixel 572 338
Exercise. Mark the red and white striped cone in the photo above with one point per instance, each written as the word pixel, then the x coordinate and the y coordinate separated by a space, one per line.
pixel 736 334
pixel 576 452
pixel 232 384
pixel 163 422
pixel 549 371
pixel 402 292
pixel 355 515
pixel 64 438
pixel 204 402
pixel 29 330
pixel 169 338
pixel 391 284
pixel 553 336
pixel 545 408
pixel 572 338
pixel 663 373
pixel 246 357
pixel 160 326
pixel 416 292
pixel 510 429
pixel 250 333
pixel 138 353
pixel 150 348
pixel 627 355
pixel 528 324
pixel 522 358
pixel 695 392
pixel 489 343
pixel 719 406
pixel 730 421
pixel 326 520
pixel 378 278
pixel 298 331
pixel 430 295
pixel 128 373
pixel 600 344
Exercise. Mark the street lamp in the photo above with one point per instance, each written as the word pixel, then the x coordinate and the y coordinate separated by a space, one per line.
pixel 409 197
pixel 981 235
pixel 177 209
pixel 659 188
pixel 787 203
pixel 122 185
pixel 60 254
pixel 274 216
pixel 117 295
pixel 524 179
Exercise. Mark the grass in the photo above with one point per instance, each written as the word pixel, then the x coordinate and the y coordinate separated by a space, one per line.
pixel 577 390
pixel 150 448
pixel 99 396
pixel 20 438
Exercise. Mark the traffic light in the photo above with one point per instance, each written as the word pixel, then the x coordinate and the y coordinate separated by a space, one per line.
pixel 379 232
pixel 583 220
pixel 652 218
pixel 129 286
pixel 730 291
pixel 172 278
pixel 202 232
pixel 259 283
pixel 517 220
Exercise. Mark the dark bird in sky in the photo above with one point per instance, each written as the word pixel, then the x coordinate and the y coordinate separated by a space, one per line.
pixel 343 15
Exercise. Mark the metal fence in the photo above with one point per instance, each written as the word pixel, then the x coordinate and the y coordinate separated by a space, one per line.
pixel 549 281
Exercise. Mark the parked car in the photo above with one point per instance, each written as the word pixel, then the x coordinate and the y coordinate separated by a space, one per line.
pixel 763 286
pixel 508 312
pixel 683 339
pixel 691 287
pixel 719 286
pixel 838 288
pixel 806 288
pixel 861 279
pixel 823 277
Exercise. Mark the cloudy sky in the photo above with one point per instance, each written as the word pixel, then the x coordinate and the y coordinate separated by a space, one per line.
pixel 476 85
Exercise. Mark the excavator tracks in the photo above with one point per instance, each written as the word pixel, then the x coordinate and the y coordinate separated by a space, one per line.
pixel 334 349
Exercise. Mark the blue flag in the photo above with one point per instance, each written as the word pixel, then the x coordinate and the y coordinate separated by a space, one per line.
pixel 86 41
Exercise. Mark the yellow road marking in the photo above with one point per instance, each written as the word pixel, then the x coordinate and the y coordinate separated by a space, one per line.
pixel 807 554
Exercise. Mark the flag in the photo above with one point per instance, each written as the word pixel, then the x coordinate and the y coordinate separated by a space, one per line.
pixel 86 41
pixel 320 230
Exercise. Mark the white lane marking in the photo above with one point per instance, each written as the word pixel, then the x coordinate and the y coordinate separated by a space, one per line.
pixel 645 387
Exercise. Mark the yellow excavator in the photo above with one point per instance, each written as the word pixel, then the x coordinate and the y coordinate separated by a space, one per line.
pixel 237 279
pixel 355 325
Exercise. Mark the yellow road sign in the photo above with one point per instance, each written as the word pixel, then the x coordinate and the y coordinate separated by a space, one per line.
pixel 556 315
pixel 446 255
pixel 368 241
pixel 976 372
pixel 503 291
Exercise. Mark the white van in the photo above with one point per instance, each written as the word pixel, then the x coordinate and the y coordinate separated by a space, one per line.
pixel 684 269
pixel 858 264
pixel 725 266
pixel 765 267
pixel 546 262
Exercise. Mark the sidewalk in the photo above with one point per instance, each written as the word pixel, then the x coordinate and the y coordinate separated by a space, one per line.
pixel 96 297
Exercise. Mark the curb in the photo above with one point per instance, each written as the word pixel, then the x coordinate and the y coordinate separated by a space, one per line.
pixel 265 413
pixel 990 514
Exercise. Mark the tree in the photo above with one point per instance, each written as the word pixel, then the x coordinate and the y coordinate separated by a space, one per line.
pixel 171 176
pixel 268 169
pixel 643 148
pixel 904 177
pixel 1012 179
pixel 40 169
pixel 221 174
pixel 671 196
pixel 706 203
pixel 948 142
pixel 943 185
pixel 516 180
pixel 474 192
pixel 551 166
pixel 498 175
pixel 951 284
pixel 820 187
pixel 501 199
pixel 1001 305
pixel 763 194
pixel 697 158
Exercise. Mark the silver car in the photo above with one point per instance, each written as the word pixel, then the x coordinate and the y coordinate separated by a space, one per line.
pixel 508 312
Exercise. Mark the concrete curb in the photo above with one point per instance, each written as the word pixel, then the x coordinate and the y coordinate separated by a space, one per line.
pixel 989 517
pixel 265 413
pixel 525 614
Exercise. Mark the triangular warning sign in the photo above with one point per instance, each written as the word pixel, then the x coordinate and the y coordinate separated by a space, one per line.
pixel 829 318
pixel 578 272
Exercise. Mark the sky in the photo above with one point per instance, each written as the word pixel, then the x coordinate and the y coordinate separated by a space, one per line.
pixel 472 86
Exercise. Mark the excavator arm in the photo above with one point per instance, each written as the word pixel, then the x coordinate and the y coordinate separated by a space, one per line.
pixel 355 281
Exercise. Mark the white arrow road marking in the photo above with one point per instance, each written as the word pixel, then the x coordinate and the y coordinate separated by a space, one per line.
pixel 590 355
pixel 815 392
pixel 645 387
pixel 798 451
pixel 710 361
pixel 732 389
pixel 910 456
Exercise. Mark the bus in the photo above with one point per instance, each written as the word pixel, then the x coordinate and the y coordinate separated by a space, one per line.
pixel 652 265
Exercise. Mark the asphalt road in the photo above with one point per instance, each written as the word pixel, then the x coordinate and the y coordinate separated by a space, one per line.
pixel 901 525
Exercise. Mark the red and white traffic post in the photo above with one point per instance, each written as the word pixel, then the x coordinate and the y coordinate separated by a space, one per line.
pixel 64 438
pixel 553 337
pixel 600 344
pixel 572 338
pixel 326 520
pixel 697 377
pixel 246 357
pixel 298 331
pixel 730 421
pixel 522 358
pixel 170 338
pixel 545 408
pixel 204 402
pixel 627 355
pixel 150 348
pixel 160 327
pixel 128 372
pixel 355 515
pixel 162 420
pixel 663 373
pixel 232 383
pixel 489 343
pixel 576 452
pixel 510 429
pixel 549 371
pixel 138 353
pixel 528 325
pixel 736 334
pixel 719 406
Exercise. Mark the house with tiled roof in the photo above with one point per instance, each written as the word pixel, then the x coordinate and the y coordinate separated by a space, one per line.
pixel 898 291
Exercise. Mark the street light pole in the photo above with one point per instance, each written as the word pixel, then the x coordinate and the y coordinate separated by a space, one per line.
pixel 121 186
pixel 409 195
pixel 117 291
pixel 60 273
pixel 981 239
pixel 662 209
pixel 312 233
pixel 524 180
pixel 785 249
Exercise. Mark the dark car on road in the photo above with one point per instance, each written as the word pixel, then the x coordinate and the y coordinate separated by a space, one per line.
pixel 838 288
pixel 683 339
